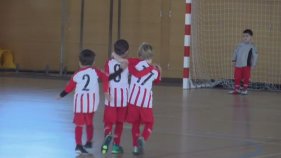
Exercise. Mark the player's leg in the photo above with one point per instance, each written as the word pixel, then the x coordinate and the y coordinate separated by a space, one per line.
pixel 133 117
pixel 147 118
pixel 117 148
pixel 121 116
pixel 109 119
pixel 78 134
pixel 237 79
pixel 246 76
pixel 89 129
pixel 107 128
pixel 147 130
pixel 106 143
pixel 135 136
pixel 79 122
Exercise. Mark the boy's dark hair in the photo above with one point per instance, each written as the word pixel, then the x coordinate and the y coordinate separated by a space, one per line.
pixel 121 47
pixel 248 31
pixel 87 57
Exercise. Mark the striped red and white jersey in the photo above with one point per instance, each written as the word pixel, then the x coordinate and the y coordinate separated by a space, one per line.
pixel 118 87
pixel 140 91
pixel 85 83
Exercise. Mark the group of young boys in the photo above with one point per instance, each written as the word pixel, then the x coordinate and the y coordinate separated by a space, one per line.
pixel 132 102
pixel 124 101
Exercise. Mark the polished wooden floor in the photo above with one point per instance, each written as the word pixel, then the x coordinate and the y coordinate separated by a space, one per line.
pixel 198 123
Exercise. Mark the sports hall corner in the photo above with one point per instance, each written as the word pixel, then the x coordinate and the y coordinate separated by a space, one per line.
pixel 202 107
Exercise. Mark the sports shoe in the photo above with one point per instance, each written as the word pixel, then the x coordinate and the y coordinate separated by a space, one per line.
pixel 244 92
pixel 140 144
pixel 117 149
pixel 234 92
pixel 105 144
pixel 88 145
pixel 80 150
pixel 136 150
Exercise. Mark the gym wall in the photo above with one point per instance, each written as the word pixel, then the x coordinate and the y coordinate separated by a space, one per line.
pixel 32 29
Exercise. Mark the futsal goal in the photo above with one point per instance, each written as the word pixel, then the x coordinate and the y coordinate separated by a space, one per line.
pixel 217 27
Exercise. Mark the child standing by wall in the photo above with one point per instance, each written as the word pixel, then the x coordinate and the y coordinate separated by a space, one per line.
pixel 86 97
pixel 244 58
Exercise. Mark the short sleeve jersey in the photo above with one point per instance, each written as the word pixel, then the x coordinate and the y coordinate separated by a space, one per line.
pixel 118 87
pixel 86 96
pixel 140 91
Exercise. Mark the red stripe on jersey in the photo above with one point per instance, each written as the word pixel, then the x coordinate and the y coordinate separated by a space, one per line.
pixel 88 102
pixel 143 99
pixel 81 102
pixel 75 104
pixel 108 101
pixel 127 93
pixel 149 100
pixel 122 95
pixel 94 97
pixel 115 97
pixel 132 93
pixel 138 94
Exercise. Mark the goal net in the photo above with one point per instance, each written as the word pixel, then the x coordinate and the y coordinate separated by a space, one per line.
pixel 217 27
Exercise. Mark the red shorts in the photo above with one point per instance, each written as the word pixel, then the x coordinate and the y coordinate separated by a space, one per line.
pixel 83 119
pixel 114 114
pixel 139 114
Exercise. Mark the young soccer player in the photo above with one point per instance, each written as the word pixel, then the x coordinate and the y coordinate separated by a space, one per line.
pixel 116 109
pixel 86 97
pixel 140 99
pixel 244 58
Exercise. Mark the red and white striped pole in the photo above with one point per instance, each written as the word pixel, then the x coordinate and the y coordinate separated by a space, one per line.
pixel 187 44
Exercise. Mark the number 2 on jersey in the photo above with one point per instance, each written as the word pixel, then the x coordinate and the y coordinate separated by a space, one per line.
pixel 87 78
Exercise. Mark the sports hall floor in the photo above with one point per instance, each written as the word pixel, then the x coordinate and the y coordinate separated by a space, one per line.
pixel 197 123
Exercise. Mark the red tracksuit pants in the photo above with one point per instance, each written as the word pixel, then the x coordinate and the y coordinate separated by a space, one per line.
pixel 242 74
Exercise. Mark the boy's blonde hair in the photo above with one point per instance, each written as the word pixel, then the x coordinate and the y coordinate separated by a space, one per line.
pixel 145 51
